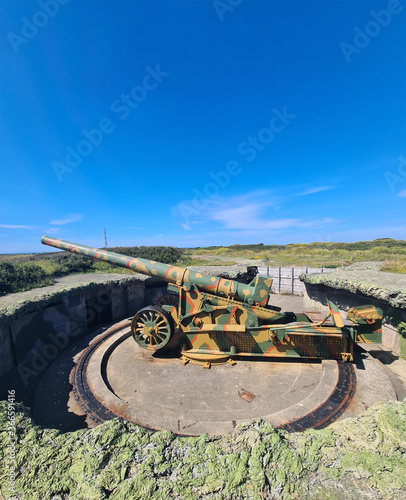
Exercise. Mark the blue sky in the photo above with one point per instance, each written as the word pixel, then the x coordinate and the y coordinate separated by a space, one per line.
pixel 195 123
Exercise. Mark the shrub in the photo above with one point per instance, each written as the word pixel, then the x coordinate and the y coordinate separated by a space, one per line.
pixel 67 263
pixel 18 277
pixel 166 255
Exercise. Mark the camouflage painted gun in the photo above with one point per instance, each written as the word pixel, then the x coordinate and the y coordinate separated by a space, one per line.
pixel 210 319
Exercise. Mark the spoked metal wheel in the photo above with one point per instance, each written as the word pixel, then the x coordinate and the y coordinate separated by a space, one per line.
pixel 168 300
pixel 152 328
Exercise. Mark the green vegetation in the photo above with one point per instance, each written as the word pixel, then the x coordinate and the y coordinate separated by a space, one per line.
pixel 318 254
pixel 23 272
pixel 5 257
pixel 363 457
pixel 394 266
pixel 190 260
pixel 166 255
pixel 55 264
pixel 21 276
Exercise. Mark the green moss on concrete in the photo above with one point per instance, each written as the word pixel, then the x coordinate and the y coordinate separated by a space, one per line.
pixel 119 460
pixel 390 288
pixel 22 303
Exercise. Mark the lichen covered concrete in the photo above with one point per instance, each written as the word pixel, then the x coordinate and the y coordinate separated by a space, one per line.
pixel 23 302
pixel 357 458
pixel 388 287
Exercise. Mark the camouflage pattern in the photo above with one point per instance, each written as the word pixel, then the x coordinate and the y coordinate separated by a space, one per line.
pixel 368 320
pixel 210 325
pixel 208 316
pixel 257 292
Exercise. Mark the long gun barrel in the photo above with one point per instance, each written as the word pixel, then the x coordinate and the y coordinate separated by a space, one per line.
pixel 255 293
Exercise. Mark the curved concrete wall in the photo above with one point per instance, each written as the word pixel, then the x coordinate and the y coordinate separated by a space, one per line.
pixel 38 326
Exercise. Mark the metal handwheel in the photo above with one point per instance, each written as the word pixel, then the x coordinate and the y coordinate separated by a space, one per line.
pixel 168 300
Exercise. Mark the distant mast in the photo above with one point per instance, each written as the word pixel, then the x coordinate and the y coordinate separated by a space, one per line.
pixel 105 238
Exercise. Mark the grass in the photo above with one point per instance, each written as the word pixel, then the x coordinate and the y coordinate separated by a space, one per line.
pixel 13 257
pixel 49 266
pixel 192 261
pixel 105 267
pixel 52 268
pixel 394 266
pixel 318 254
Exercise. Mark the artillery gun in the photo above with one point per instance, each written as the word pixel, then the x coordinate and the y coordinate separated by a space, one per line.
pixel 211 319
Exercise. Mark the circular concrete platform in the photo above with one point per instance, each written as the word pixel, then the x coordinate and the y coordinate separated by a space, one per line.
pixel 113 376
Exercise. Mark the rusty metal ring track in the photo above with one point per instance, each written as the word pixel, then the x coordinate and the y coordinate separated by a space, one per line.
pixel 87 402
pixel 333 407
pixel 325 414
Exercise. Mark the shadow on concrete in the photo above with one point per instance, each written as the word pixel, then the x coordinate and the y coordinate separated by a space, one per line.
pixel 385 357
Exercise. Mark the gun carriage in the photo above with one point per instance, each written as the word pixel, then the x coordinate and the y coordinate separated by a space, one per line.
pixel 211 319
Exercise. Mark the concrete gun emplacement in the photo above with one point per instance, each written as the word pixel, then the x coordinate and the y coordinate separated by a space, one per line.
pixel 210 319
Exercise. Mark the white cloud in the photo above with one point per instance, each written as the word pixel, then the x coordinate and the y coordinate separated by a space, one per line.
pixel 318 222
pixel 188 225
pixel 251 212
pixel 317 190
pixel 17 226
pixel 250 217
pixel 402 194
pixel 55 230
pixel 132 227
pixel 70 218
